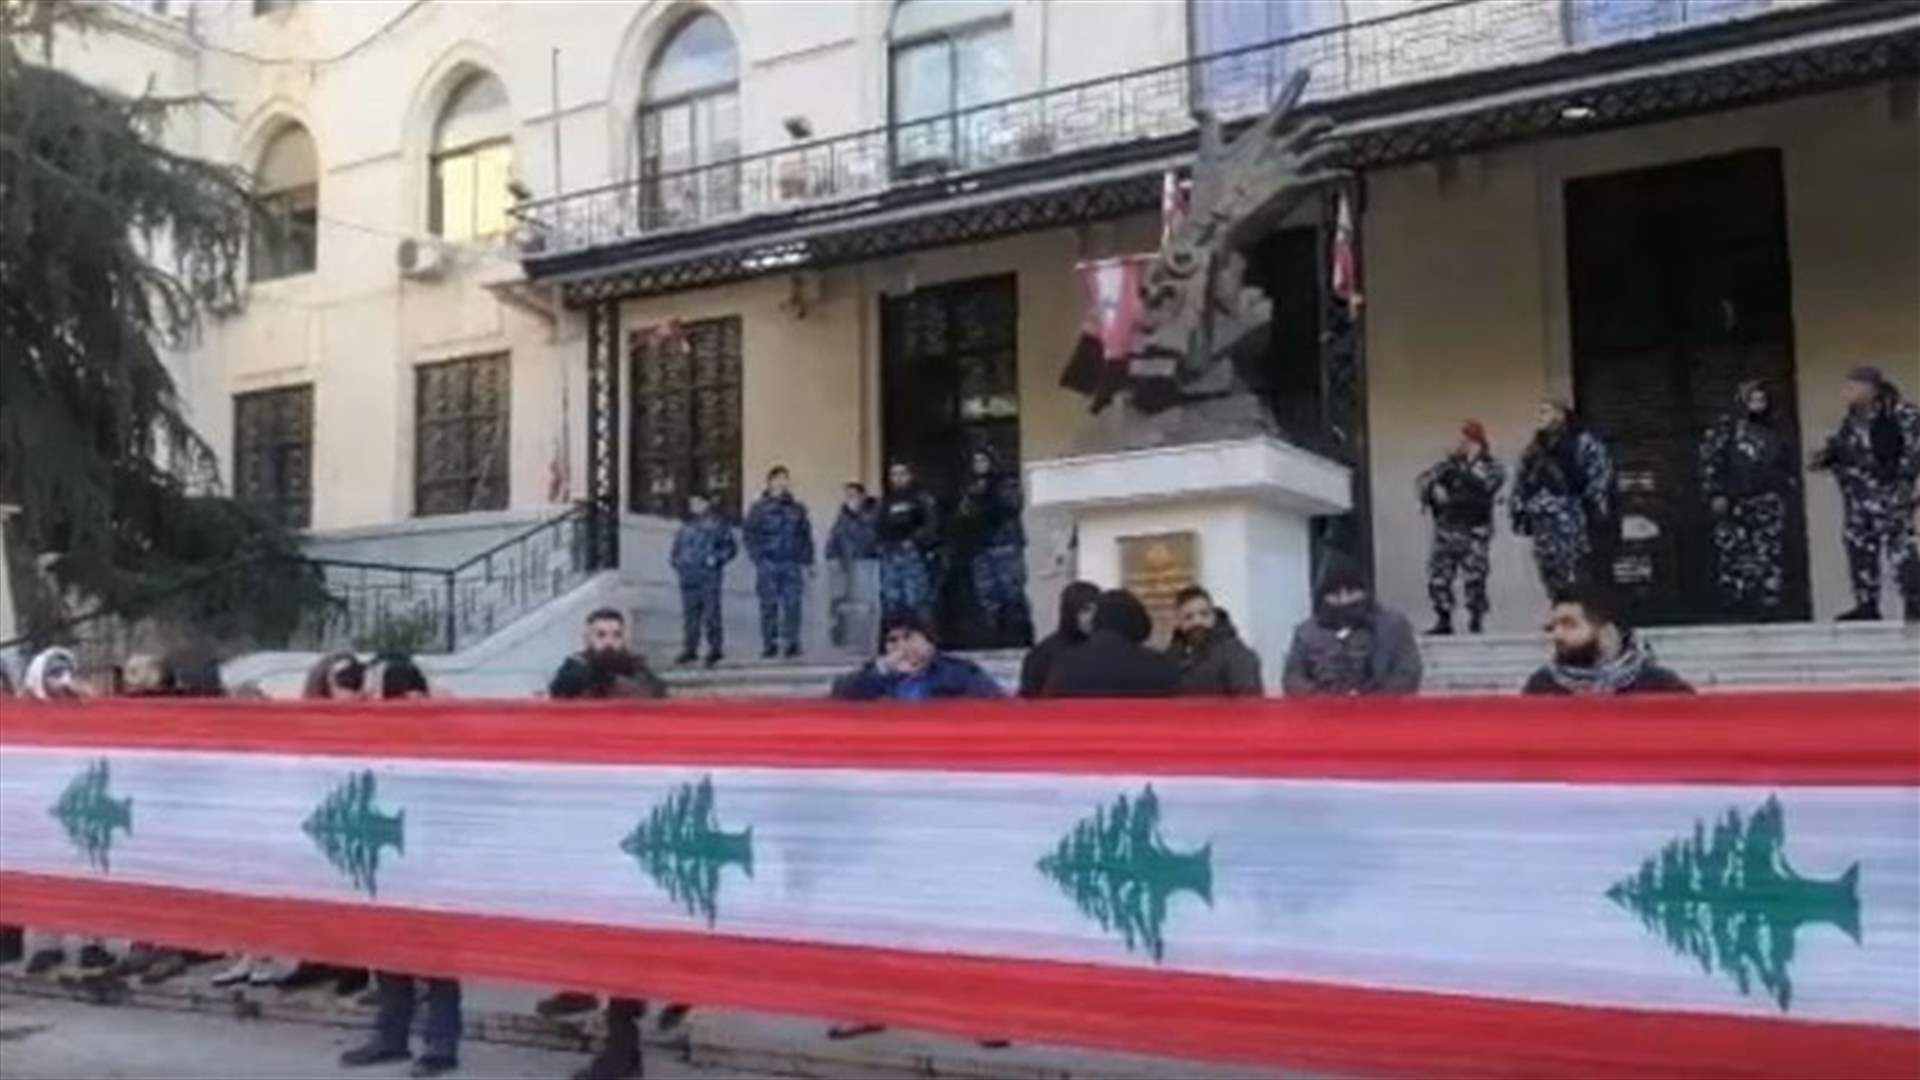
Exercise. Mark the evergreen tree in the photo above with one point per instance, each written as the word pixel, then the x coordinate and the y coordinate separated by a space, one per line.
pixel 95 446
pixel 1119 871
pixel 90 814
pixel 683 849
pixel 350 831
pixel 1729 899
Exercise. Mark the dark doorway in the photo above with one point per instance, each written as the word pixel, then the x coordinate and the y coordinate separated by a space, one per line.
pixel 950 383
pixel 1679 285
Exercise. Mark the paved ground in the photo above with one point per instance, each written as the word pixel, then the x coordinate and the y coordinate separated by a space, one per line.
pixel 51 1039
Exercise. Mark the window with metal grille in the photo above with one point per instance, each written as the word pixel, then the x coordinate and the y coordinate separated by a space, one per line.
pixel 686 416
pixel 460 435
pixel 273 452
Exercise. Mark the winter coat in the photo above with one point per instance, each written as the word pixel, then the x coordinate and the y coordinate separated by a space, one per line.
pixel 1632 672
pixel 946 676
pixel 702 548
pixel 1107 665
pixel 619 675
pixel 1037 667
pixel 777 531
pixel 1567 468
pixel 1876 451
pixel 855 534
pixel 1217 663
pixel 1378 657
pixel 1470 486
pixel 989 514
pixel 1741 458
pixel 909 518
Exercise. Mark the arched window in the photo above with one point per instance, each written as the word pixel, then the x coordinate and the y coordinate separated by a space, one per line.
pixel 472 162
pixel 689 122
pixel 288 181
pixel 946 55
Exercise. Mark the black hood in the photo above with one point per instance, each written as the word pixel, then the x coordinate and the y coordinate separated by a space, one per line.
pixel 1072 598
pixel 1122 613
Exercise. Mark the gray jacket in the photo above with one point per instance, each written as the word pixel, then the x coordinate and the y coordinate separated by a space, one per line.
pixel 1380 657
pixel 1218 664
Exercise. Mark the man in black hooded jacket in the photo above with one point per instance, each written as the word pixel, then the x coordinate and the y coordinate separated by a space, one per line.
pixel 1077 603
pixel 1114 661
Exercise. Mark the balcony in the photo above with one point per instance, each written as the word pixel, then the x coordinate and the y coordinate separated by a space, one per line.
pixel 763 206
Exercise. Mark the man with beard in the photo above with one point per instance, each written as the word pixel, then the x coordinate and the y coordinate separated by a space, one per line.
pixel 1595 652
pixel 909 532
pixel 1875 457
pixel 1564 497
pixel 605 658
pixel 1213 661
pixel 1747 471
pixel 988 529
pixel 1351 646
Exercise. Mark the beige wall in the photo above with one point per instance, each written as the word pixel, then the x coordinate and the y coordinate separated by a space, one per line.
pixel 1467 311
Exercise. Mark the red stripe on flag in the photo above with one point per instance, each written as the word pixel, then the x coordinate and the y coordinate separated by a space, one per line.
pixel 1344 1029
pixel 1843 738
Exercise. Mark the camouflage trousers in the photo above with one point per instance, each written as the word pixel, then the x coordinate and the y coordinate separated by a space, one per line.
pixel 1562 545
pixel 779 587
pixel 1000 587
pixel 1750 553
pixel 1876 528
pixel 906 583
pixel 700 611
pixel 1461 552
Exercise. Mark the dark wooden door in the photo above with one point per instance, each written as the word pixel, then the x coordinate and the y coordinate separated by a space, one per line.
pixel 950 383
pixel 1680 290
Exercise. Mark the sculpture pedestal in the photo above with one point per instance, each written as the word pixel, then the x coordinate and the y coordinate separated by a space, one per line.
pixel 1235 512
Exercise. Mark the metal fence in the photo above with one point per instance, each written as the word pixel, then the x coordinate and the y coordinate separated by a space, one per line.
pixel 1406 46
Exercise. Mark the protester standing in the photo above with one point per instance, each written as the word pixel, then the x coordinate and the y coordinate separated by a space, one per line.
pixel 1747 473
pixel 911 667
pixel 988 530
pixel 780 542
pixel 1564 496
pixel 1875 458
pixel 1459 492
pixel 395 677
pixel 1595 652
pixel 1213 661
pixel 909 532
pixel 702 548
pixel 1114 661
pixel 1351 645
pixel 853 551
pixel 1077 602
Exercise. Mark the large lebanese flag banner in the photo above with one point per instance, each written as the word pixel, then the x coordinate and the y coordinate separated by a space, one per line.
pixel 1725 885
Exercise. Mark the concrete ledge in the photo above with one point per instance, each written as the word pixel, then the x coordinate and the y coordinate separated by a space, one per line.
pixel 1261 468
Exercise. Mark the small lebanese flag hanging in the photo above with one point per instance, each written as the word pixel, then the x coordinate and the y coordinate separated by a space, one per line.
pixel 1112 288
pixel 1175 196
pixel 1346 273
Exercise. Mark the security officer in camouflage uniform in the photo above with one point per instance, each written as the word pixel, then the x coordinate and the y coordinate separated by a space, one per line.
pixel 1563 495
pixel 701 551
pixel 1459 492
pixel 909 531
pixel 1747 473
pixel 780 543
pixel 988 530
pixel 1875 456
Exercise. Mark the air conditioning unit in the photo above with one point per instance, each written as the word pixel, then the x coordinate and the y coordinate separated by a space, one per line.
pixel 421 260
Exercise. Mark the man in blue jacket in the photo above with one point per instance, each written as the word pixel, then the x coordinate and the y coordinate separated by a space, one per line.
pixel 701 551
pixel 911 668
pixel 780 543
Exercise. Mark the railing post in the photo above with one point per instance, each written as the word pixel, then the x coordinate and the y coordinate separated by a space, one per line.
pixel 451 621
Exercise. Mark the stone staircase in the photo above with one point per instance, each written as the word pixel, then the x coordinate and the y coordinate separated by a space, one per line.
pixel 1771 657
pixel 802 678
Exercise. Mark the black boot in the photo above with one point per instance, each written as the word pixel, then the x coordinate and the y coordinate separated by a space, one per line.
pixel 769 651
pixel 1476 622
pixel 793 650
pixel 1862 613
pixel 1442 626
pixel 686 657
pixel 714 658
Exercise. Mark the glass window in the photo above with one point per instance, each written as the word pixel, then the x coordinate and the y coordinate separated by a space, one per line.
pixel 288 181
pixel 948 55
pixel 472 162
pixel 273 452
pixel 460 412
pixel 690 120
pixel 1593 22
pixel 1249 81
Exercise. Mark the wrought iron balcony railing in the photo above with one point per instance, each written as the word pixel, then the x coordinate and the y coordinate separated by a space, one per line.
pixel 1406 46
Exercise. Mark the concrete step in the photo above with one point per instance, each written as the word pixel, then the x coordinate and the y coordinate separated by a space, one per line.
pixel 802 677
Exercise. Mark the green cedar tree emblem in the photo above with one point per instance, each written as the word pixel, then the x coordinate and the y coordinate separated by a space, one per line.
pixel 351 831
pixel 90 814
pixel 1729 899
pixel 1119 871
pixel 683 849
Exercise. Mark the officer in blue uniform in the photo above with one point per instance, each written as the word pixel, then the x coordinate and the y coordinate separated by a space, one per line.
pixel 989 530
pixel 780 543
pixel 909 530
pixel 701 551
